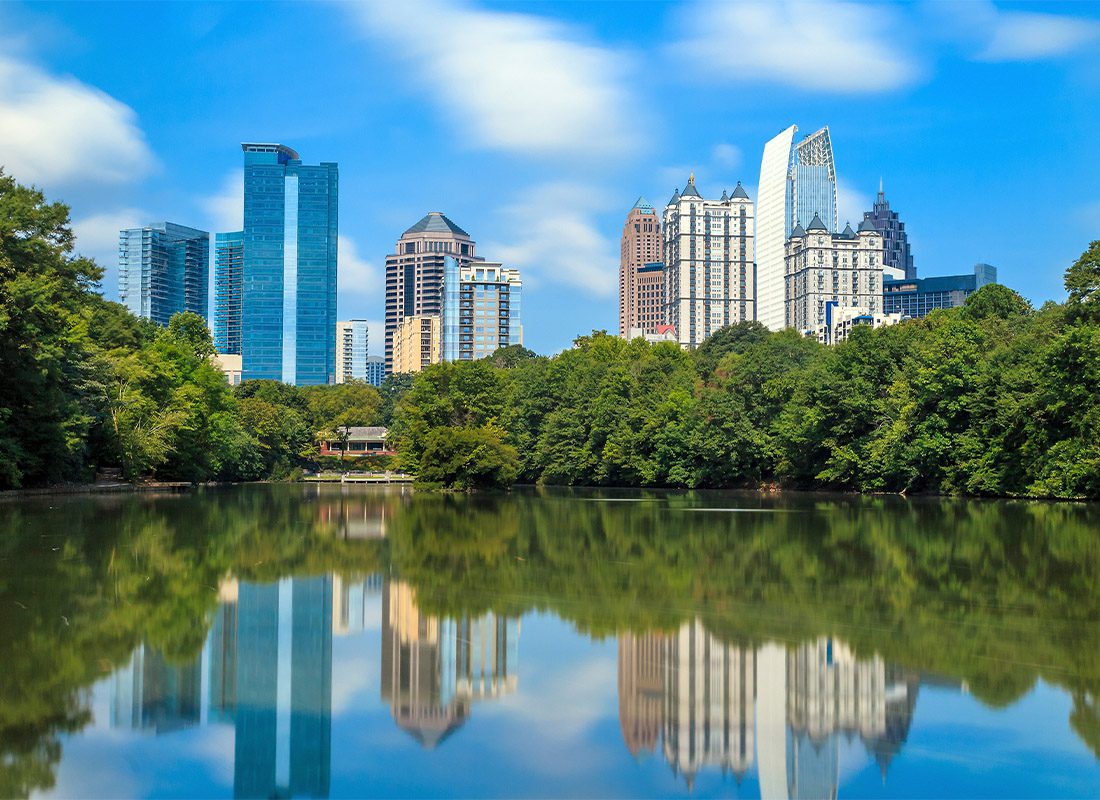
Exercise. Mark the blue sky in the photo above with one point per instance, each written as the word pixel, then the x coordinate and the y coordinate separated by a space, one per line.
pixel 536 125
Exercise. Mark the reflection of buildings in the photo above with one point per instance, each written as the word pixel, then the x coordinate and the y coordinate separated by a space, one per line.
pixel 353 513
pixel 718 705
pixel 349 602
pixel 433 668
pixel 151 693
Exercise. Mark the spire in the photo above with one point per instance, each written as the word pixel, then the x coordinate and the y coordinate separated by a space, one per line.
pixel 817 225
pixel 675 198
pixel 867 226
pixel 848 233
pixel 881 194
pixel 690 190
pixel 642 205
pixel 739 193
pixel 798 232
pixel 725 197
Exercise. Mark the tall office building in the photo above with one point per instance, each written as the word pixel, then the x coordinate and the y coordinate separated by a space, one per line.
pixel 797 182
pixel 288 310
pixel 481 309
pixel 376 370
pixel 228 285
pixel 414 272
pixel 822 268
pixel 163 270
pixel 917 297
pixel 898 257
pixel 351 350
pixel 708 262
pixel 641 245
pixel 415 343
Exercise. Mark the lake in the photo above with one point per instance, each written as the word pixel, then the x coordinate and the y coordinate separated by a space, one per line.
pixel 328 641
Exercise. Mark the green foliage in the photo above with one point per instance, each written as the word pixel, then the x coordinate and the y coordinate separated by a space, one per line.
pixel 1083 284
pixel 468 458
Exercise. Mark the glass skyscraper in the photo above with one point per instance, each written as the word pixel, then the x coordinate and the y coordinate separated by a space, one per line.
pixel 797 181
pixel 228 280
pixel 288 308
pixel 481 309
pixel 352 338
pixel 162 270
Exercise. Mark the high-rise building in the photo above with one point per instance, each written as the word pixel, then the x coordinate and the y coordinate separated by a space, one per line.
pixel 288 309
pixel 641 245
pixel 376 370
pixel 825 268
pixel 897 257
pixel 351 350
pixel 414 272
pixel 228 284
pixel 650 309
pixel 709 280
pixel 481 309
pixel 797 182
pixel 162 270
pixel 915 298
pixel 416 343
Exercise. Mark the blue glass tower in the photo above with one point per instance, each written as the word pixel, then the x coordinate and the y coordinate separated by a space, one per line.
pixel 481 309
pixel 162 270
pixel 288 309
pixel 228 280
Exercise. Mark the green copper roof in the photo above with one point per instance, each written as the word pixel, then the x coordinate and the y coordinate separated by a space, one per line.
pixel 642 205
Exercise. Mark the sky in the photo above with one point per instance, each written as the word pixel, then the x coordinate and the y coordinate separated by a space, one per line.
pixel 536 125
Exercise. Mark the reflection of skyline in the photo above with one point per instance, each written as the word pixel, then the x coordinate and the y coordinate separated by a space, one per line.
pixel 724 706
pixel 352 512
pixel 433 668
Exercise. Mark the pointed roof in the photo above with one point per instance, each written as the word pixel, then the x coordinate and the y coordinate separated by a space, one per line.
pixel 867 226
pixel 816 224
pixel 848 233
pixel 739 193
pixel 434 222
pixel 725 197
pixel 675 198
pixel 798 232
pixel 642 205
pixel 690 190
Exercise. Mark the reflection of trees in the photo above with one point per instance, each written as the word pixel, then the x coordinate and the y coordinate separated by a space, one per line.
pixel 998 594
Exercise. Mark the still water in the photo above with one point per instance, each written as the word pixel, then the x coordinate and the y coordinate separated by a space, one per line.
pixel 273 641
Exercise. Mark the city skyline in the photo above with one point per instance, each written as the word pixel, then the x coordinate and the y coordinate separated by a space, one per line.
pixel 517 172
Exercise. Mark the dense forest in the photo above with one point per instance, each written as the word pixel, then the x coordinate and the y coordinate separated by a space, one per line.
pixel 994 398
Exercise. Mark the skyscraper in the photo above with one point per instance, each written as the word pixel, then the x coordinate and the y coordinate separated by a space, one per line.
pixel 708 262
pixel 797 181
pixel 376 370
pixel 288 309
pixel 162 270
pixel 228 282
pixel 351 350
pixel 414 271
pixel 641 245
pixel 481 309
pixel 897 258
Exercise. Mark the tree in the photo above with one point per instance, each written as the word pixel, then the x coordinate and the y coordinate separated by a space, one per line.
pixel 468 458
pixel 1082 281
pixel 995 300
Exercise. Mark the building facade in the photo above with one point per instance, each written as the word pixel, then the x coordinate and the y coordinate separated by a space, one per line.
pixel 641 247
pixel 414 272
pixel 228 288
pixel 797 182
pixel 416 343
pixel 843 268
pixel 351 350
pixel 840 321
pixel 897 255
pixel 163 270
pixel 288 308
pixel 915 298
pixel 376 370
pixel 482 304
pixel 650 294
pixel 709 256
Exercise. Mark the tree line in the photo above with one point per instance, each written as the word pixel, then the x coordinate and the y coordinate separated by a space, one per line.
pixel 993 398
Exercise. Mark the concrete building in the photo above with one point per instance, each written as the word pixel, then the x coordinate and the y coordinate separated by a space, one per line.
pixel 288 303
pixel 352 339
pixel 414 272
pixel 709 256
pixel 897 255
pixel 797 182
pixel 841 320
pixel 228 291
pixel 482 304
pixel 163 270
pixel 641 245
pixel 650 294
pixel 416 343
pixel 821 267
pixel 230 365
pixel 663 333
pixel 915 298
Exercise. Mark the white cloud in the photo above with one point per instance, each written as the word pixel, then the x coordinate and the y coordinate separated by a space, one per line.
pixel 97 235
pixel 827 45
pixel 850 204
pixel 726 155
pixel 225 210
pixel 58 131
pixel 357 276
pixel 512 82
pixel 1025 36
pixel 561 242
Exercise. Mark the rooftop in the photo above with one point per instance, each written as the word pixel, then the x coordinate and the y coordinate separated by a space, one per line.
pixel 434 222
pixel 270 147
